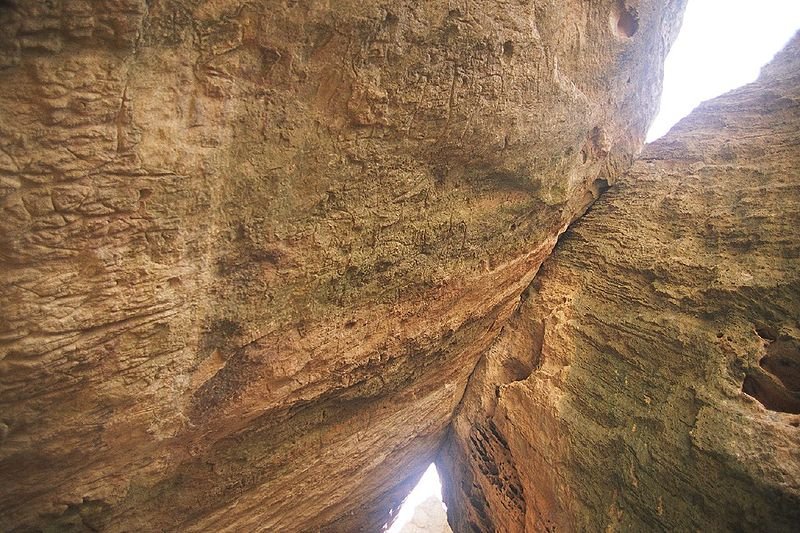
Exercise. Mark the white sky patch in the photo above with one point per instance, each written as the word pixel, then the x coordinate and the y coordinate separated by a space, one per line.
pixel 429 485
pixel 722 45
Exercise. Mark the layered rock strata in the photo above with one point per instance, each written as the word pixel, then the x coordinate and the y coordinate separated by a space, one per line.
pixel 650 381
pixel 250 252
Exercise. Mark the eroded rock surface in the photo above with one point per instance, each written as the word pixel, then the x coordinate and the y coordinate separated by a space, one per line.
pixel 651 379
pixel 251 251
pixel 429 517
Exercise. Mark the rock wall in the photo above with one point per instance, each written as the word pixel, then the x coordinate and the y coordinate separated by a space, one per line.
pixel 650 381
pixel 429 517
pixel 250 252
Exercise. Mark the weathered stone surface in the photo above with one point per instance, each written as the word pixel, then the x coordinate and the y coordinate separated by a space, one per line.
pixel 651 379
pixel 250 252
pixel 429 517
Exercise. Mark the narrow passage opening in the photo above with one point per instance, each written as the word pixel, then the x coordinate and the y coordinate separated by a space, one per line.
pixel 423 511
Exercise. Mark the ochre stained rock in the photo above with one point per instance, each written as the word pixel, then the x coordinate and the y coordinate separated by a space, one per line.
pixel 650 381
pixel 251 251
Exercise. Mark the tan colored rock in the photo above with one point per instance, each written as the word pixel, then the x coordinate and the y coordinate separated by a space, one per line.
pixel 429 517
pixel 651 379
pixel 250 252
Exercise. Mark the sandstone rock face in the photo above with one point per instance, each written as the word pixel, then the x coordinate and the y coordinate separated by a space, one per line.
pixel 250 252
pixel 650 381
pixel 429 517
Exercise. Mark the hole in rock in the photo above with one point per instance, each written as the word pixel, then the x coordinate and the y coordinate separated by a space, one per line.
pixel 515 369
pixel 778 386
pixel 783 362
pixel 625 19
pixel 391 18
pixel 767 333
pixel 423 508
pixel 721 45
pixel 771 394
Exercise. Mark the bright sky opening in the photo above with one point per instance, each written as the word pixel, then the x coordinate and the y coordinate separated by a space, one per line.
pixel 429 485
pixel 722 45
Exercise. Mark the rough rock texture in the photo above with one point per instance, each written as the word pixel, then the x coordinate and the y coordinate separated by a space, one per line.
pixel 429 517
pixel 250 252
pixel 651 379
